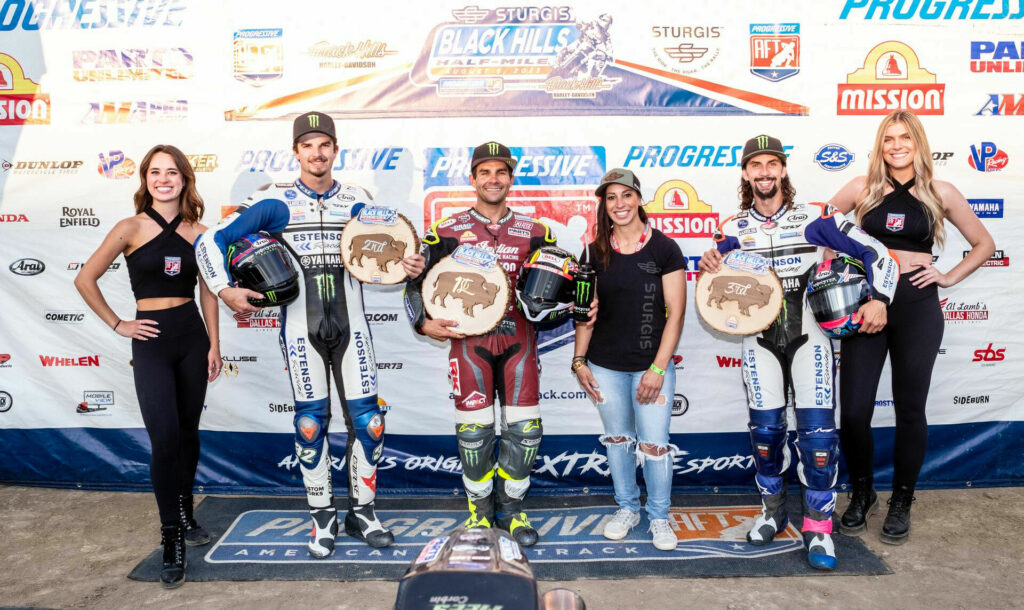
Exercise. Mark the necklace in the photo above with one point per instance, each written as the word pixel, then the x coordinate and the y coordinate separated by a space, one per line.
pixel 639 242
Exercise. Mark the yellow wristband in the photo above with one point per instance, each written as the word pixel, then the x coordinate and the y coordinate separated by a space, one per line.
pixel 654 367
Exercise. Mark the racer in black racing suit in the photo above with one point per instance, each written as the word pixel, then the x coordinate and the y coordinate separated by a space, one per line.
pixel 794 352
pixel 502 362
pixel 323 331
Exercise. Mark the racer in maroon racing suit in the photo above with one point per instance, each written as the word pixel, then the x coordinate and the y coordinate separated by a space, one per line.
pixel 502 362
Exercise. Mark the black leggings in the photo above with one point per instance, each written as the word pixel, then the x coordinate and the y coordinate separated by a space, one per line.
pixel 170 381
pixel 911 337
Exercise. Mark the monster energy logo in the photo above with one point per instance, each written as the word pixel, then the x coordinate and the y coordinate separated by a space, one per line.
pixel 529 456
pixel 325 286
pixel 762 141
pixel 492 147
pixel 470 458
pixel 270 295
pixel 314 121
pixel 583 292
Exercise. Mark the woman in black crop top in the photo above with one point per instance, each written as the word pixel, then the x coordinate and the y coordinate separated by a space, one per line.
pixel 624 360
pixel 900 204
pixel 174 354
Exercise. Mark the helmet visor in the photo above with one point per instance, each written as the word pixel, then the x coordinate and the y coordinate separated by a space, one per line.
pixel 543 284
pixel 838 301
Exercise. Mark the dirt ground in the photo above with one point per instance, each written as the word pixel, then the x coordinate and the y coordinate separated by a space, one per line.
pixel 73 549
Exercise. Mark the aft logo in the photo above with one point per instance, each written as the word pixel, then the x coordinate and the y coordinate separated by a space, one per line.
pixel 21 103
pixel 115 166
pixel 989 355
pixel 987 157
pixel 774 50
pixel 997 56
pixel 833 157
pixel 987 208
pixel 890 79
pixel 258 55
pixel 1003 104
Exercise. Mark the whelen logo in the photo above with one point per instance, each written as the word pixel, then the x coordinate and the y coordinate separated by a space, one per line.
pixel 998 259
pixel 728 362
pixel 891 79
pixel 61 361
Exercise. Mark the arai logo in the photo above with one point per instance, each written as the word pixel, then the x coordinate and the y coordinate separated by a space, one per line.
pixel 833 157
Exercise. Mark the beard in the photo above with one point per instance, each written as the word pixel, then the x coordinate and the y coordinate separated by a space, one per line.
pixel 320 173
pixel 765 195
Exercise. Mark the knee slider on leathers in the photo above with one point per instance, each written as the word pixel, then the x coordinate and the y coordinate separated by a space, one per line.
pixel 476 449
pixel 368 426
pixel 520 444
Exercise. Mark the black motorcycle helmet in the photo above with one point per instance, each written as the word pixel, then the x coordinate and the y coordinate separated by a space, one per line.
pixel 259 262
pixel 544 289
pixel 835 291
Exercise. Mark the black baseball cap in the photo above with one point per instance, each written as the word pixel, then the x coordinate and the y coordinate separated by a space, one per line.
pixel 492 151
pixel 762 144
pixel 313 122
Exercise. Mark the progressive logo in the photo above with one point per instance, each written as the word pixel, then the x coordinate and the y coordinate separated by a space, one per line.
pixel 890 79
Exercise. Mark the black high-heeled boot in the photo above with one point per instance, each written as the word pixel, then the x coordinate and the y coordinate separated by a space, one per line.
pixel 172 574
pixel 195 534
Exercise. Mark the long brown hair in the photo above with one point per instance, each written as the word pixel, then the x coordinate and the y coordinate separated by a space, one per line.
pixel 603 239
pixel 878 173
pixel 190 204
pixel 746 193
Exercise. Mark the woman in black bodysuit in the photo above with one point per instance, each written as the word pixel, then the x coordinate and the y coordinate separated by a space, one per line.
pixel 174 354
pixel 900 204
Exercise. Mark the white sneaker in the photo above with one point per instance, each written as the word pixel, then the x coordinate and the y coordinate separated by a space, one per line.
pixel 664 538
pixel 620 524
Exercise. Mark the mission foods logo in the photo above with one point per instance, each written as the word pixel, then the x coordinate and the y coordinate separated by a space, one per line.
pixel 774 50
pixel 258 56
pixel 677 211
pixel 21 103
pixel 280 536
pixel 891 79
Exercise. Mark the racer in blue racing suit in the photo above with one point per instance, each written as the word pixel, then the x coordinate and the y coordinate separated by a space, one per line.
pixel 323 331
pixel 794 352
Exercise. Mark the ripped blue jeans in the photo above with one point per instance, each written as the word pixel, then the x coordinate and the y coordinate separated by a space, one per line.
pixel 637 434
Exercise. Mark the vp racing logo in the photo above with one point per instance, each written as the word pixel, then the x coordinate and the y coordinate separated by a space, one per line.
pixel 486 52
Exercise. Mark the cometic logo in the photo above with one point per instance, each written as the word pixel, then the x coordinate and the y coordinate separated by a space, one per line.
pixel 1000 56
pixel 891 79
pixel 21 103
pixel 833 157
pixel 64 317
pixel 986 157
pixel 27 266
pixel 932 9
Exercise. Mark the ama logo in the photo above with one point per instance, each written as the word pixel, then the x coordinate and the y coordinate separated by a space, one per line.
pixel 986 157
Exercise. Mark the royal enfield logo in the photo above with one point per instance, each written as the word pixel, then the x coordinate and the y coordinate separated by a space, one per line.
pixel 27 266
pixel 21 103
pixel 264 318
pixel 115 166
pixel 360 54
pixel 258 56
pixel 78 217
pixel 774 50
pixel 686 49
pixel 100 65
pixel 891 79
pixel 41 168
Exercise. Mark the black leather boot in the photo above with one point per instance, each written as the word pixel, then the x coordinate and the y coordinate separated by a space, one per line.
pixel 172 575
pixel 195 534
pixel 863 503
pixel 896 528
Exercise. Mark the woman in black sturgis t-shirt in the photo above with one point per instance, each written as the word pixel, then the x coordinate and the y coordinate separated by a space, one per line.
pixel 624 360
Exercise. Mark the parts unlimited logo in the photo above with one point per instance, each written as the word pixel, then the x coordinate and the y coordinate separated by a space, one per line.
pixel 997 56
pixel 258 56
pixel 774 50
pixel 987 157
pixel 99 65
pixel 685 49
pixel 890 79
pixel 21 103
pixel 135 111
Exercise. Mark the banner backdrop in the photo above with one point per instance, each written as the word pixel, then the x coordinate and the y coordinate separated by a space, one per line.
pixel 668 91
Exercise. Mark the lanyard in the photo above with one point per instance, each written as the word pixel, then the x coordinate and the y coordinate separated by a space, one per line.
pixel 639 242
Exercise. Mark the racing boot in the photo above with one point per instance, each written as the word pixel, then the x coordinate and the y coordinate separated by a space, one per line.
pixel 361 522
pixel 195 534
pixel 772 520
pixel 481 513
pixel 172 574
pixel 821 552
pixel 896 528
pixel 863 503
pixel 325 528
pixel 519 526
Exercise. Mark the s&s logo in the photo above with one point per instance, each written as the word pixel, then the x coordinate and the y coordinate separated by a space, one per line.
pixel 833 157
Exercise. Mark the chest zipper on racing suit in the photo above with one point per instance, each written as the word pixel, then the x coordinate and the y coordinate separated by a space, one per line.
pixel 327 331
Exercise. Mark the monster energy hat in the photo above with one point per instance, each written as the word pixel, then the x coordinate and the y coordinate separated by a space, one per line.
pixel 619 176
pixel 492 151
pixel 313 122
pixel 762 144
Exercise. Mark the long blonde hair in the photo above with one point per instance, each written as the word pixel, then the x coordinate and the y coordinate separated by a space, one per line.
pixel 878 174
